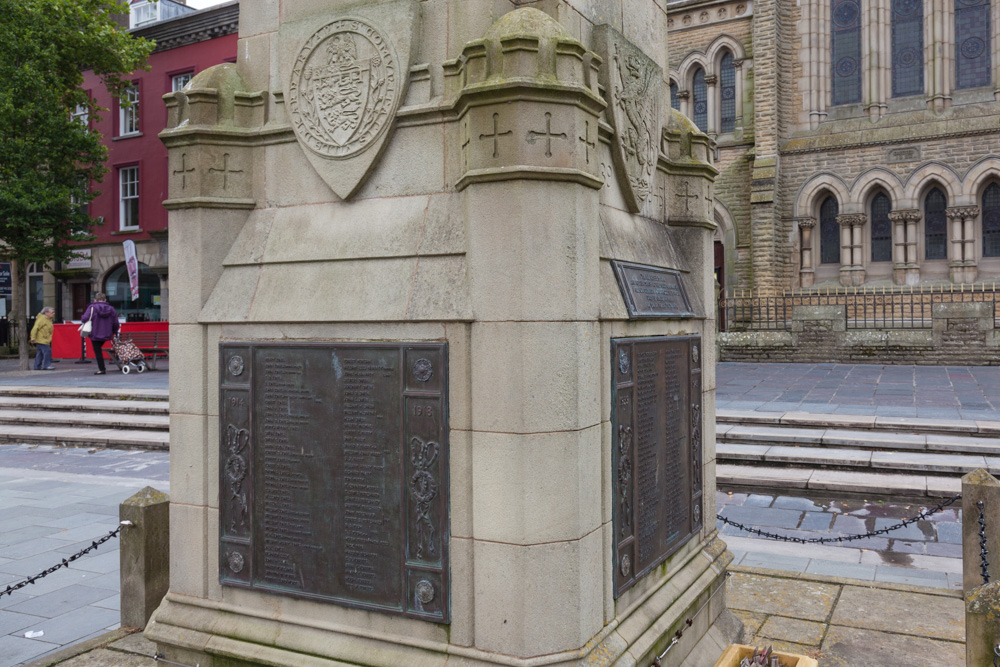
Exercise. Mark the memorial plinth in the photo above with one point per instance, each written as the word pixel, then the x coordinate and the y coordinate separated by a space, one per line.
pixel 442 389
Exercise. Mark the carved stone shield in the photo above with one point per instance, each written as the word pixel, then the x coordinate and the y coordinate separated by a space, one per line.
pixel 343 86
pixel 633 83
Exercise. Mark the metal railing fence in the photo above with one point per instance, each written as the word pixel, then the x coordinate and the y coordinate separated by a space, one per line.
pixel 906 307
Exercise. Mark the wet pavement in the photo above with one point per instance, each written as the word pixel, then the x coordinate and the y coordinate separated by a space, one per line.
pixel 937 392
pixel 925 553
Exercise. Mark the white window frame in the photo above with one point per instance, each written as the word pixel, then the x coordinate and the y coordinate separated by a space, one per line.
pixel 32 275
pixel 81 114
pixel 128 191
pixel 143 13
pixel 128 115
pixel 178 81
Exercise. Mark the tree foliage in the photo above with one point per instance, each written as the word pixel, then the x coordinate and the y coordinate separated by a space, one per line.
pixel 48 160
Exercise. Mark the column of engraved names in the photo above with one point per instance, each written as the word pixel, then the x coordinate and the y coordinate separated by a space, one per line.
pixel 364 478
pixel 287 530
pixel 676 511
pixel 646 373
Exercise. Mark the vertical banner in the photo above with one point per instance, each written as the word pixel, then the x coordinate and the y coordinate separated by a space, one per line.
pixel 133 268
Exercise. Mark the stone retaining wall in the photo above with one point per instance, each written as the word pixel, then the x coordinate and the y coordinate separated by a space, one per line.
pixel 961 334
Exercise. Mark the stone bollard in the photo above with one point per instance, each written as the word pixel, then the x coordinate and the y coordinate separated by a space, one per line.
pixel 982 601
pixel 145 555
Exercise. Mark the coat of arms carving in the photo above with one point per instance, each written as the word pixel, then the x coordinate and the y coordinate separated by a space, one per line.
pixel 633 83
pixel 344 88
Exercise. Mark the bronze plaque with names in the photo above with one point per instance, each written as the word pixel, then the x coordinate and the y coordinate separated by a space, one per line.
pixel 656 451
pixel 652 292
pixel 333 467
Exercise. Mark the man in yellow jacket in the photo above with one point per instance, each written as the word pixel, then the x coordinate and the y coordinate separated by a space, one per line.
pixel 41 336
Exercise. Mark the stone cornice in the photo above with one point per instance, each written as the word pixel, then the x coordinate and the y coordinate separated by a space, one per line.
pixel 192 28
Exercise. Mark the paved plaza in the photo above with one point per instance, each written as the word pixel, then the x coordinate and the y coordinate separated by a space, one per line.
pixel 70 374
pixel 934 392
pixel 53 503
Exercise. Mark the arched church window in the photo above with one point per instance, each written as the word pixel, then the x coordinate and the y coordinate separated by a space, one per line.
pixel 675 101
pixel 829 232
pixel 881 228
pixel 727 93
pixel 972 43
pixel 846 45
pixel 699 99
pixel 907 47
pixel 991 221
pixel 935 225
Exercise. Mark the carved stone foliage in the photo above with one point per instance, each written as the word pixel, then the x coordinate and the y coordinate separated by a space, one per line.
pixel 961 212
pixel 344 82
pixel 634 87
pixel 852 219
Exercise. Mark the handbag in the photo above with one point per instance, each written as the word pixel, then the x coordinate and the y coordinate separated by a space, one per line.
pixel 85 328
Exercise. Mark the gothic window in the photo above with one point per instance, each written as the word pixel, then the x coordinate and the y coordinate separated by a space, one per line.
pixel 935 225
pixel 699 98
pixel 829 232
pixel 846 45
pixel 727 93
pixel 972 43
pixel 907 47
pixel 881 228
pixel 675 101
pixel 991 221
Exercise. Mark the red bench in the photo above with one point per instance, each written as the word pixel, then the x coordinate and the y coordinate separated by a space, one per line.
pixel 153 344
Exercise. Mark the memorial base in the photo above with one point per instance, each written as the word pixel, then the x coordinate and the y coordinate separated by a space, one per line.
pixel 214 633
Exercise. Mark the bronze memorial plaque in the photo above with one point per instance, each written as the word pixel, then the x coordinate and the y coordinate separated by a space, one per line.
pixel 652 292
pixel 657 451
pixel 334 473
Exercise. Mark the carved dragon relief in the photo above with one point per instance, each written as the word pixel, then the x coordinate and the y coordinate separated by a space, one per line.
pixel 633 83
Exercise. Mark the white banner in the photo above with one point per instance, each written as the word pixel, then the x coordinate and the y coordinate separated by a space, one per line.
pixel 133 268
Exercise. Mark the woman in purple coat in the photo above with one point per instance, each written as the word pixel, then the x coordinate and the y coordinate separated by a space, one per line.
pixel 105 326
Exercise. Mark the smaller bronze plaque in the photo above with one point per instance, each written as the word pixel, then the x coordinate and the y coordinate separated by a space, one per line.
pixel 652 292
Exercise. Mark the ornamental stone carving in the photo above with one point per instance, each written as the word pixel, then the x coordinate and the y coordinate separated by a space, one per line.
pixel 634 85
pixel 905 215
pixel 806 223
pixel 852 219
pixel 961 212
pixel 344 81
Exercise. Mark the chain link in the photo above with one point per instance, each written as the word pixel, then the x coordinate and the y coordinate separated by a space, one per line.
pixel 65 563
pixel 842 538
pixel 984 563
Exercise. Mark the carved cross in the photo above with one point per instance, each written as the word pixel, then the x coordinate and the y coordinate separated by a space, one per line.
pixel 533 136
pixel 687 195
pixel 184 171
pixel 496 134
pixel 586 139
pixel 226 170
pixel 465 146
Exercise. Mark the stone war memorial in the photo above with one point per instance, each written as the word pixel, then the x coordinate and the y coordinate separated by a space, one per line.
pixel 443 328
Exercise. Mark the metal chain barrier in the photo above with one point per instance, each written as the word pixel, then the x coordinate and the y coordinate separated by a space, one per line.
pixel 687 624
pixel 984 564
pixel 65 561
pixel 996 656
pixel 842 538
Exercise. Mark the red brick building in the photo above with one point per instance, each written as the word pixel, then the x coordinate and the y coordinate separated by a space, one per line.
pixel 130 203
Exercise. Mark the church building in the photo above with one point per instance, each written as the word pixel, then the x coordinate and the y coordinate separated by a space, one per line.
pixel 859 143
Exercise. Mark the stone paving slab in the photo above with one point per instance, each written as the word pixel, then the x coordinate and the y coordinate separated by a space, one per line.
pixel 805 600
pixel 854 647
pixel 818 456
pixel 81 404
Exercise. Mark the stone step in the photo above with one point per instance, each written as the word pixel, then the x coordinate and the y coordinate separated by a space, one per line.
pixel 892 461
pixel 86 419
pixel 746 477
pixel 79 404
pixel 858 422
pixel 75 436
pixel 841 438
pixel 109 393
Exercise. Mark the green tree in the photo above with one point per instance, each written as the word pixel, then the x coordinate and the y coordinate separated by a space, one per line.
pixel 48 160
